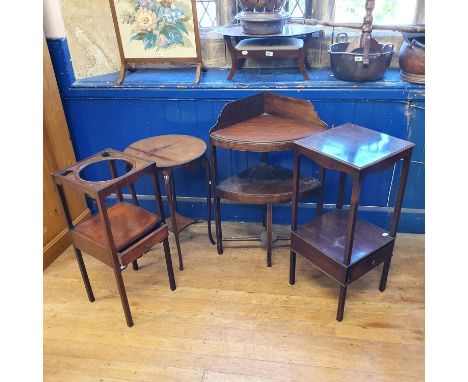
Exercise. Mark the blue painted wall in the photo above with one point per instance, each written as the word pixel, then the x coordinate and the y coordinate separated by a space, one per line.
pixel 155 102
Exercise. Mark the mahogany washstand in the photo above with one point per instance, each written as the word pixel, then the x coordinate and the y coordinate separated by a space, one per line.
pixel 119 234
pixel 264 123
pixel 168 152
pixel 337 242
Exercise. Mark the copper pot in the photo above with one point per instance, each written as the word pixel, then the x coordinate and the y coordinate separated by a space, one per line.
pixel 261 5
pixel 412 58
pixel 349 66
pixel 262 23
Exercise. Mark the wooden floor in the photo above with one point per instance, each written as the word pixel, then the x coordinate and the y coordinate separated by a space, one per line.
pixel 233 319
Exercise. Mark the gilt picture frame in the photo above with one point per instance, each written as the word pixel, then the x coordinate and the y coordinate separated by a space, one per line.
pixel 155 31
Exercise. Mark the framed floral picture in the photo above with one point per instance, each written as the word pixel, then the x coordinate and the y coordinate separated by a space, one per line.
pixel 156 31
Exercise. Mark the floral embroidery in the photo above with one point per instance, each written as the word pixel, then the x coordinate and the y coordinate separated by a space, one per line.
pixel 157 24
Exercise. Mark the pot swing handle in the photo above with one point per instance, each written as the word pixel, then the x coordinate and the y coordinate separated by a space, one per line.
pixel 416 43
pixel 343 36
pixel 390 44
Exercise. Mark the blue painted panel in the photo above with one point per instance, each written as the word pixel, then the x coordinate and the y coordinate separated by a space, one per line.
pixel 416 128
pixel 414 193
pixel 154 102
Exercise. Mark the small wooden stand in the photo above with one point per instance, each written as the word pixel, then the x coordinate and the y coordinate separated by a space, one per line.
pixel 264 123
pixel 338 243
pixel 125 66
pixel 293 42
pixel 168 152
pixel 107 235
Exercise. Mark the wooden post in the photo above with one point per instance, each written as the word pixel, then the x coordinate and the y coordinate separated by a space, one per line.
pixel 357 179
pixel 167 174
pixel 116 264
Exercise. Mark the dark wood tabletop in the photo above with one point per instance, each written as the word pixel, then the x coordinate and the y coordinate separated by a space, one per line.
pixel 168 150
pixel 354 146
pixel 266 130
pixel 265 122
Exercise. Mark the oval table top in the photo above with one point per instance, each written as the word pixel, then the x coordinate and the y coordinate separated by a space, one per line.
pixel 289 30
pixel 168 150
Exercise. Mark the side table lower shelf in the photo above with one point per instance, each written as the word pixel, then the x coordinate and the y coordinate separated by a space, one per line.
pixel 181 221
pixel 265 184
pixel 322 241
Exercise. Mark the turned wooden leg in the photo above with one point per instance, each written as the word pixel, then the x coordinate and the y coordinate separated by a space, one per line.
pixel 301 64
pixel 383 279
pixel 132 187
pixel 234 60
pixel 173 191
pixel 292 268
pixel 84 274
pixel 233 68
pixel 168 185
pixel 341 190
pixel 269 233
pixel 320 192
pixel 198 74
pixel 78 255
pixel 116 266
pixel 123 296
pixel 132 191
pixel 214 178
pixel 206 164
pixel 123 68
pixel 114 174
pixel 219 232
pixel 302 56
pixel 341 303
pixel 170 270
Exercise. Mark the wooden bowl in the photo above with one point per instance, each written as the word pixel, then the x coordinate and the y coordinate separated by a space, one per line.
pixel 261 5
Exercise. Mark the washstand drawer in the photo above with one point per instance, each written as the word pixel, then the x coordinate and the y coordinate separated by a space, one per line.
pixel 144 245
pixel 370 262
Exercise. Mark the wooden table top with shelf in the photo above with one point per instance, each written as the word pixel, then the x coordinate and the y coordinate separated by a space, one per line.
pixel 169 152
pixel 354 148
pixel 264 123
pixel 293 42
pixel 339 243
pixel 289 30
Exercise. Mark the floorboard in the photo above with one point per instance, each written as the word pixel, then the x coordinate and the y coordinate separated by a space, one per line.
pixel 233 319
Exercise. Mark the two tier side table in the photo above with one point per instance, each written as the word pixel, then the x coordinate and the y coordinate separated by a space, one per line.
pixel 293 42
pixel 338 243
pixel 263 123
pixel 169 152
